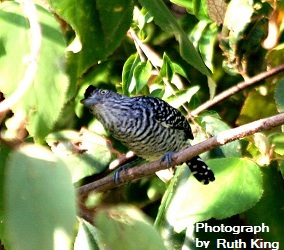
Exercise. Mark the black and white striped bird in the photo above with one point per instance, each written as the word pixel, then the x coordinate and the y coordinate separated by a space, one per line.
pixel 148 126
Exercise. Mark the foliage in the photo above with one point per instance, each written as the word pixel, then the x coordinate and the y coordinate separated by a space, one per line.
pixel 184 52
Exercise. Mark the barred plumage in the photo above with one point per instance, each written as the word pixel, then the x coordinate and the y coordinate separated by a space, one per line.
pixel 146 125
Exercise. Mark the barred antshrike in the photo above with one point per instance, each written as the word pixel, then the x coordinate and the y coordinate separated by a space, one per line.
pixel 146 125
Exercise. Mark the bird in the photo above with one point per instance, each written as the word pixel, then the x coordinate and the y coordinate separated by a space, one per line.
pixel 148 126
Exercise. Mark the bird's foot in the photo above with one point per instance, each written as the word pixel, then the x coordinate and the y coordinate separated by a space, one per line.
pixel 168 158
pixel 124 167
pixel 117 171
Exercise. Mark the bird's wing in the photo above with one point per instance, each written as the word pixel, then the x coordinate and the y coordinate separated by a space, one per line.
pixel 168 116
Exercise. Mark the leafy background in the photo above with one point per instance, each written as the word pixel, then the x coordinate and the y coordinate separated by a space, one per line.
pixel 185 52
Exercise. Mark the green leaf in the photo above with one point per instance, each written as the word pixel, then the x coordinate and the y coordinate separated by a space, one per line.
pixel 142 73
pixel 158 93
pixel 196 7
pixel 182 97
pixel 269 210
pixel 251 109
pixel 170 236
pixel 46 97
pixel 179 70
pixel 275 56
pixel 203 37
pixel 87 237
pixel 100 27
pixel 125 227
pixel 84 153
pixel 200 9
pixel 128 72
pixel 164 18
pixel 39 201
pixel 238 187
pixel 4 153
pixel 279 95
pixel 184 3
pixel 167 69
pixel 277 141
pixel 213 126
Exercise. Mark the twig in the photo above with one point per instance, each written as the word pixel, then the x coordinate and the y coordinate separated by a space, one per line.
pixel 30 11
pixel 225 94
pixel 149 169
pixel 150 54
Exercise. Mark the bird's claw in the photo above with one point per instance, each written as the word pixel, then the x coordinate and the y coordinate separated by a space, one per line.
pixel 117 171
pixel 136 160
pixel 168 158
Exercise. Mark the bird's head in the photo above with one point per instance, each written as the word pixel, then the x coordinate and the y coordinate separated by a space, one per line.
pixel 94 96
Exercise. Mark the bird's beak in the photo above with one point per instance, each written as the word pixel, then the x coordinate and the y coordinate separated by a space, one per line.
pixel 88 102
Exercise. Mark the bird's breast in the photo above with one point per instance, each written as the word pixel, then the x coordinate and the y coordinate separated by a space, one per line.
pixel 137 128
pixel 150 141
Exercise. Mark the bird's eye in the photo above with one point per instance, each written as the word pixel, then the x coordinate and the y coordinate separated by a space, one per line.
pixel 103 91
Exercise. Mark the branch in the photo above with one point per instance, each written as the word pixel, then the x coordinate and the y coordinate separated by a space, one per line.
pixel 30 11
pixel 149 169
pixel 227 93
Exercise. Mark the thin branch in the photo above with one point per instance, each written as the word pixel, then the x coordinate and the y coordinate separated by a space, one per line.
pixel 149 169
pixel 242 85
pixel 30 11
pixel 151 55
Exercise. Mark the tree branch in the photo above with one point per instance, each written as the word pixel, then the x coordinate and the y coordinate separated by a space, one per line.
pixel 30 11
pixel 240 86
pixel 149 169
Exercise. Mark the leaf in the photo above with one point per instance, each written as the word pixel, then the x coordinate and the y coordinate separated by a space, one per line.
pixel 242 36
pixel 214 126
pixel 275 56
pixel 269 210
pixel 4 153
pixel 39 201
pixel 164 18
pixel 87 237
pixel 46 97
pixel 261 142
pixel 142 73
pixel 238 187
pixel 197 8
pixel 100 27
pixel 182 97
pixel 251 109
pixel 203 36
pixel 115 18
pixel 235 22
pixel 167 69
pixel 279 95
pixel 84 153
pixel 184 3
pixel 125 227
pixel 128 72
pixel 217 10
pixel 277 141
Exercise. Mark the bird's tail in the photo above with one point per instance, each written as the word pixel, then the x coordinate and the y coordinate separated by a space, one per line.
pixel 200 170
